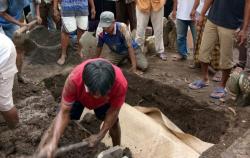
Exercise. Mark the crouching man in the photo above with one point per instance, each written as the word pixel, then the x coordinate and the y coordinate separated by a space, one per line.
pixel 95 84
pixel 8 70
pixel 118 38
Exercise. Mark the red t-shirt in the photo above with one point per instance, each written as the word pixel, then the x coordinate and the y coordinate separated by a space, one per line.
pixel 74 89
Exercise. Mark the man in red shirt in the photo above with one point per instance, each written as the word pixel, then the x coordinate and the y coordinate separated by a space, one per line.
pixel 95 84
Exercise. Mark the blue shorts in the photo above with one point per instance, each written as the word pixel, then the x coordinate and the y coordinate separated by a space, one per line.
pixel 77 109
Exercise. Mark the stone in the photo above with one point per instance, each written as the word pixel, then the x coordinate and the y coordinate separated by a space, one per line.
pixel 113 152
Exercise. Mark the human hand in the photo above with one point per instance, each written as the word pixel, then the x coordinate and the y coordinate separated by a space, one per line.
pixel 173 15
pixel 192 14
pixel 93 140
pixel 39 20
pixel 200 21
pixel 47 151
pixel 93 13
pixel 241 37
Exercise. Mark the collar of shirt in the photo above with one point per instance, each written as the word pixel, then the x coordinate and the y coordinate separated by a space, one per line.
pixel 114 32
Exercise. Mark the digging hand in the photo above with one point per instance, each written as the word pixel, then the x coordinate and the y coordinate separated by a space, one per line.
pixel 93 140
pixel 47 151
pixel 39 20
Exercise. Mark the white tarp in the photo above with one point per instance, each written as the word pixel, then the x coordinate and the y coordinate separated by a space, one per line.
pixel 150 134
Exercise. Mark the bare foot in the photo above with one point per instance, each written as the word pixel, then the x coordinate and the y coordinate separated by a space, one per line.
pixel 21 79
pixel 178 57
pixel 61 61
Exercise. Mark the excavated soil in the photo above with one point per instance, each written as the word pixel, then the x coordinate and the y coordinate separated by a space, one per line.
pixel 162 86
pixel 37 108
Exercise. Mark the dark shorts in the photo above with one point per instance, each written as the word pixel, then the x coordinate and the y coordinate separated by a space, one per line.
pixel 77 109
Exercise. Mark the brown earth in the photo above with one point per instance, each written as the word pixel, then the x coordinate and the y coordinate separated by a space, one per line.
pixel 164 85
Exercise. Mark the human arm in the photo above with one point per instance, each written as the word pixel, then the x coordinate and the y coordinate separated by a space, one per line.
pixel 109 121
pixel 56 10
pixel 195 6
pixel 174 9
pixel 92 6
pixel 242 35
pixel 131 54
pixel 37 8
pixel 61 121
pixel 205 8
pixel 11 19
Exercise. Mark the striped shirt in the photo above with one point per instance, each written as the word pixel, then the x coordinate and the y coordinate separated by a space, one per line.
pixel 74 8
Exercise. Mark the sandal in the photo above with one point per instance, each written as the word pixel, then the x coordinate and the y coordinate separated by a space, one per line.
pixel 198 84
pixel 218 93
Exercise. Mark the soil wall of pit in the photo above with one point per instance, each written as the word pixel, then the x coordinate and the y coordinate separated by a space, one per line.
pixel 192 117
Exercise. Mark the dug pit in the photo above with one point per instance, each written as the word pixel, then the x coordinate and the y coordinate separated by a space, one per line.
pixel 193 118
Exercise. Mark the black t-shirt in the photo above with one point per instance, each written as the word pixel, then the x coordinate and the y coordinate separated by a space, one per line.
pixel 227 13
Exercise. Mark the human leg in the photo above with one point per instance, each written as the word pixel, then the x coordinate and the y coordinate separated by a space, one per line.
pixel 182 28
pixel 131 11
pixel 69 25
pixel 157 21
pixel 7 107
pixel 141 60
pixel 142 22
pixel 82 26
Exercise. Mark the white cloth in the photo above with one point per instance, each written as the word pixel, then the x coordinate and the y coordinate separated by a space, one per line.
pixel 8 70
pixel 153 135
pixel 70 24
pixel 199 9
pixel 157 22
pixel 5 50
pixel 184 9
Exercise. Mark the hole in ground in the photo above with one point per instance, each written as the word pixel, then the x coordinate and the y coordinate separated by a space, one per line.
pixel 192 117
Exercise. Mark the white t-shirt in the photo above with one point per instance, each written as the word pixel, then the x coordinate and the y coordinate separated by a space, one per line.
pixel 199 9
pixel 184 9
pixel 6 46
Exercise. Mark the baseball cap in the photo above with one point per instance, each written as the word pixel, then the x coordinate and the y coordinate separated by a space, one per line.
pixel 106 19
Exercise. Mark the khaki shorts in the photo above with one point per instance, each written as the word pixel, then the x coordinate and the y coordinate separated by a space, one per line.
pixel 70 24
pixel 7 75
pixel 211 35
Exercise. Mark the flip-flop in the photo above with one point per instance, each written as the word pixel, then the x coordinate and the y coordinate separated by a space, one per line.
pixel 218 93
pixel 198 84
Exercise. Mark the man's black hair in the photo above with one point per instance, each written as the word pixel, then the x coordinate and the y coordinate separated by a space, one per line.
pixel 98 76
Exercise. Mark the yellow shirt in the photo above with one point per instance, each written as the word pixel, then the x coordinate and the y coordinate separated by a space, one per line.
pixel 148 5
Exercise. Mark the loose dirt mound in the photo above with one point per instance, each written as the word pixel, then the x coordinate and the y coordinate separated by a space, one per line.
pixel 37 109
pixel 45 47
